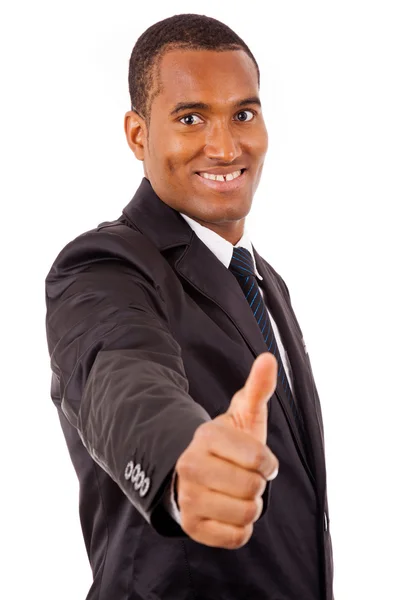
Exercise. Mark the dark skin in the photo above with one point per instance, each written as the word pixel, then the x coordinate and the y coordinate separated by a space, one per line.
pixel 226 134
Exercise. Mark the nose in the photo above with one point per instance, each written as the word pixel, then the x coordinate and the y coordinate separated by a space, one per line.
pixel 221 144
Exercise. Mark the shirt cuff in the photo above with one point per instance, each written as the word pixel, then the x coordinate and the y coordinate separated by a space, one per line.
pixel 169 501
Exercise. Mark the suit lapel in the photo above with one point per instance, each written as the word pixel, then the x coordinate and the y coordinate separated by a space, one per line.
pixel 200 267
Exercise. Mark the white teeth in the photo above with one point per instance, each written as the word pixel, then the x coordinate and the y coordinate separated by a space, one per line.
pixel 227 177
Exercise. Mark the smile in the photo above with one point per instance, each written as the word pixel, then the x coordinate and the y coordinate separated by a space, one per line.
pixel 227 177
pixel 223 182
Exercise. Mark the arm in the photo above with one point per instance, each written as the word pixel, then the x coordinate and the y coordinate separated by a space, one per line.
pixel 121 377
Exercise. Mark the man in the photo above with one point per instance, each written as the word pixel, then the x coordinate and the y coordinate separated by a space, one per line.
pixel 168 335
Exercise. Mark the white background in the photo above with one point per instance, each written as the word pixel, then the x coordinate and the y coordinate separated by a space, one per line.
pixel 330 189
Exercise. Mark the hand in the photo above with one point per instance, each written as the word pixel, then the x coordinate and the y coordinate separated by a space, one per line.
pixel 223 473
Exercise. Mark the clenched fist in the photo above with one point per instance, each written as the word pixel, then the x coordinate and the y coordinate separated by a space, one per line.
pixel 223 473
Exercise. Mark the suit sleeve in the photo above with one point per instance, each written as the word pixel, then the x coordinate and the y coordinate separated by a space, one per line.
pixel 119 371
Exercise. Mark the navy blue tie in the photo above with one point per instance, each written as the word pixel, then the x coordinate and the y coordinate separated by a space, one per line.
pixel 242 266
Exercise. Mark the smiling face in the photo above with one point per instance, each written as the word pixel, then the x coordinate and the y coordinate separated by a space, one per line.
pixel 205 144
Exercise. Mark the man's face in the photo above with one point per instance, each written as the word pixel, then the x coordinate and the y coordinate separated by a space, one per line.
pixel 205 123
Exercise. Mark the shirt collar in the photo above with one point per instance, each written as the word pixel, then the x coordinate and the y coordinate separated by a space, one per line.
pixel 219 246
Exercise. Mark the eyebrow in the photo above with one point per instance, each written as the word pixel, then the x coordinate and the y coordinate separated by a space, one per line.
pixel 202 106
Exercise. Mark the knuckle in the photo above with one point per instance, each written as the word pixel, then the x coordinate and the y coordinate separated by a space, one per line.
pixel 181 462
pixel 240 536
pixel 269 463
pixel 187 499
pixel 259 458
pixel 274 465
pixel 236 538
pixel 199 532
pixel 260 505
pixel 202 432
pixel 253 485
pixel 186 466
pixel 251 511
pixel 262 484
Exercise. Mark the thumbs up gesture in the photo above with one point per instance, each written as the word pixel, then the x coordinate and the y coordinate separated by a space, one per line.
pixel 223 473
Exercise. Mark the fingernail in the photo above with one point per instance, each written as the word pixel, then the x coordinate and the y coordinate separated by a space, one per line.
pixel 273 474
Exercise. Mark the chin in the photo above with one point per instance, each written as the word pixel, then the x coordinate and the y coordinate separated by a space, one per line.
pixel 224 214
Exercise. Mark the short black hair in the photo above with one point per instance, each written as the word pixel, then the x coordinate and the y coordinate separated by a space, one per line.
pixel 189 31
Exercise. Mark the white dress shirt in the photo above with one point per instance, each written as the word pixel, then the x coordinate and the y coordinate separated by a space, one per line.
pixel 223 250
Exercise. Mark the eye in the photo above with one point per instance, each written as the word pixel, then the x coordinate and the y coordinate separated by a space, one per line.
pixel 190 120
pixel 245 115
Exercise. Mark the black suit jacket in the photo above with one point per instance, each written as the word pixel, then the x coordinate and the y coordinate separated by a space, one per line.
pixel 150 335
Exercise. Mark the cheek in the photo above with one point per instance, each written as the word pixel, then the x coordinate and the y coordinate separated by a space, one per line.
pixel 262 141
pixel 179 151
pixel 256 144
pixel 259 139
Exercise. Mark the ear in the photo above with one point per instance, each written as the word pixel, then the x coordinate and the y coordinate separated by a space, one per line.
pixel 135 131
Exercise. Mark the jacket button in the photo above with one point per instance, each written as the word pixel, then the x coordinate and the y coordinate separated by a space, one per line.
pixel 325 522
pixel 144 487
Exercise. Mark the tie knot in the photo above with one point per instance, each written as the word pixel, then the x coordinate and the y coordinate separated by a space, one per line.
pixel 242 263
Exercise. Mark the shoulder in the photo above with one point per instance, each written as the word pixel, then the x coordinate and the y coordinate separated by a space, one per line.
pixel 109 241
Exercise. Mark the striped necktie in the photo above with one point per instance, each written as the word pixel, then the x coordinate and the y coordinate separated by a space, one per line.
pixel 242 266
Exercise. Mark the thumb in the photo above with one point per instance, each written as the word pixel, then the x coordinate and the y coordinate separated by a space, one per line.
pixel 248 407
